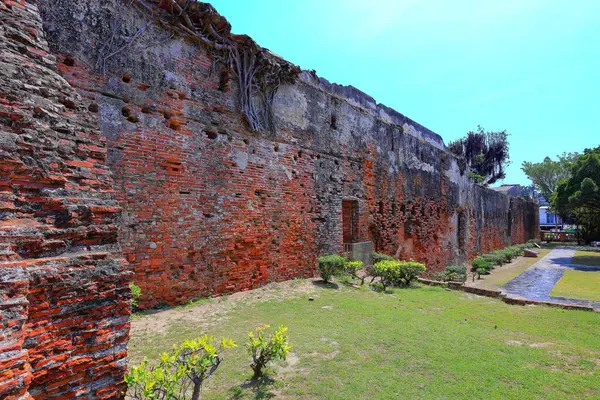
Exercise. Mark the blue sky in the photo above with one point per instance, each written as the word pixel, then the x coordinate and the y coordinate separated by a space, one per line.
pixel 531 67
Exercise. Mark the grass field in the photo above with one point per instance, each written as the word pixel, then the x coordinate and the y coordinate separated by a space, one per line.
pixel 578 285
pixel 590 258
pixel 353 343
pixel 500 276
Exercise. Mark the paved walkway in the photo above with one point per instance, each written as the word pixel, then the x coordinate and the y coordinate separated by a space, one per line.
pixel 537 282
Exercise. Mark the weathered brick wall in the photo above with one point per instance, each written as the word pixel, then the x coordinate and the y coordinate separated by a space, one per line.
pixel 64 297
pixel 210 207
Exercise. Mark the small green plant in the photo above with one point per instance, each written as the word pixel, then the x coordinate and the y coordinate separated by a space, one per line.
pixel 397 273
pixel 480 265
pixel 136 292
pixel 186 367
pixel 493 258
pixel 479 272
pixel 410 270
pixel 456 273
pixel 351 268
pixel 264 348
pixel 380 257
pixel 388 271
pixel 331 265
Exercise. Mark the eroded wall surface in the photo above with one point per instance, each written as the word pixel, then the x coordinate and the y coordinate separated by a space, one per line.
pixel 210 207
pixel 64 297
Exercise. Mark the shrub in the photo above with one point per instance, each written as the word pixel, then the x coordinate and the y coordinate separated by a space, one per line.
pixel 438 276
pixel 479 272
pixel 263 348
pixel 456 273
pixel 493 259
pixel 186 366
pixel 380 257
pixel 351 267
pixel 393 272
pixel 136 292
pixel 507 255
pixel 409 270
pixel 388 271
pixel 517 250
pixel 481 263
pixel 331 265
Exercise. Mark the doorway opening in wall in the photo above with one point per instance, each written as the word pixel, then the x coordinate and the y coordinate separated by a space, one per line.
pixel 350 221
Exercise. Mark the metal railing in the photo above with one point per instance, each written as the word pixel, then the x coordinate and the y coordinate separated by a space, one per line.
pixel 558 236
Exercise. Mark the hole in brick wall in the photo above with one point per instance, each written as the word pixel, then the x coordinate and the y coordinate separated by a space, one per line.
pixel 126 111
pixel 229 138
pixel 246 141
pixel 184 192
pixel 276 148
pixel 223 79
pixel 333 122
pixel 22 49
pixel 318 156
pixel 211 134
pixel 175 123
pixel 67 103
pixel 207 215
pixel 300 153
pixel 167 115
pixel 93 107
pixel 337 162
pixel 126 78
pixel 295 158
pixel 133 118
pixel 69 61
pixel 146 109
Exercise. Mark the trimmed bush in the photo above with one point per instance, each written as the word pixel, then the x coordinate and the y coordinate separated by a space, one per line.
pixel 380 257
pixel 388 271
pixel 410 270
pixel 397 273
pixel 456 273
pixel 481 263
pixel 331 265
pixel 351 267
pixel 493 258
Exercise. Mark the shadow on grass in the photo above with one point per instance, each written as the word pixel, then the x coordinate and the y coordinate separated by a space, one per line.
pixel 326 285
pixel 259 389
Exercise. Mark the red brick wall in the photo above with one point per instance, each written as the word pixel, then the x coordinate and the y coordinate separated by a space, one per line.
pixel 210 207
pixel 64 296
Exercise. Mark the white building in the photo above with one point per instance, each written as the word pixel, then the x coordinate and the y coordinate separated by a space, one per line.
pixel 549 220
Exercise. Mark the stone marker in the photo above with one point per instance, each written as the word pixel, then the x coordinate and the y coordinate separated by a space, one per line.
pixel 530 253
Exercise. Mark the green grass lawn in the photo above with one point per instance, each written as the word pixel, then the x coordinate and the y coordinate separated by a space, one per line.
pixel 500 276
pixel 578 285
pixel 353 343
pixel 591 258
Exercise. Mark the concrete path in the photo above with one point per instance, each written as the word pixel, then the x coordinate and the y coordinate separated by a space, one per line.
pixel 537 281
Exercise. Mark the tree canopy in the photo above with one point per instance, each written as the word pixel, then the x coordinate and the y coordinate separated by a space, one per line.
pixel 485 154
pixel 546 175
pixel 580 194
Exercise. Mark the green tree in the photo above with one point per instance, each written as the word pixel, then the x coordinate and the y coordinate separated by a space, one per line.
pixel 546 175
pixel 484 153
pixel 579 195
